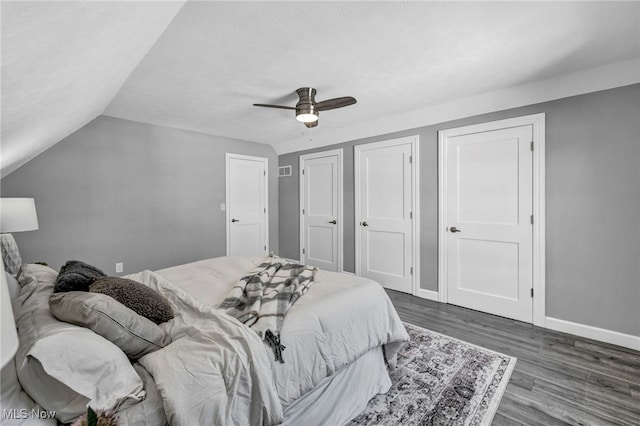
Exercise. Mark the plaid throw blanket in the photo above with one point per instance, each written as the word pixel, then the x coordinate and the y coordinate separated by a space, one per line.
pixel 262 298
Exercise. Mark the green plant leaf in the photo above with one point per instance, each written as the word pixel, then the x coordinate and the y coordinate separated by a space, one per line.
pixel 92 417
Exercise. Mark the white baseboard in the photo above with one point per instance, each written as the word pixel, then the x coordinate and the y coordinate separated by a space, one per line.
pixel 603 335
pixel 428 294
pixel 616 338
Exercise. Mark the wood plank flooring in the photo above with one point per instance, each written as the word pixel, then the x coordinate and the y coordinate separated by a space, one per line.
pixel 559 379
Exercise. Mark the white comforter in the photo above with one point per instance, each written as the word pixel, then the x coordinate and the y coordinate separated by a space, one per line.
pixel 338 320
pixel 215 371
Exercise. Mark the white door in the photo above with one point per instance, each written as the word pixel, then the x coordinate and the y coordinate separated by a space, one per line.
pixel 385 202
pixel 488 185
pixel 321 210
pixel 247 194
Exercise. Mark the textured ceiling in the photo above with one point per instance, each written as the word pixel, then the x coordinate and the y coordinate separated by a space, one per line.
pixel 63 62
pixel 215 59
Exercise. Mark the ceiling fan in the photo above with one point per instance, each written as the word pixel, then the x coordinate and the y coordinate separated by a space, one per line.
pixel 307 109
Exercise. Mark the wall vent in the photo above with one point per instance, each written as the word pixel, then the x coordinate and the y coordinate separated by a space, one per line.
pixel 284 171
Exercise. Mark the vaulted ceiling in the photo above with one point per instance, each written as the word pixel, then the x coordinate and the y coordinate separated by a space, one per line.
pixel 200 65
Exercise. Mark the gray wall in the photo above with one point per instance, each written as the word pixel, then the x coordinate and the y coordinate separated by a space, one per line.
pixel 122 191
pixel 592 205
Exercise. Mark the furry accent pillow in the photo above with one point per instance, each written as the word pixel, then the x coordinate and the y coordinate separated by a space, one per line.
pixel 138 297
pixel 76 276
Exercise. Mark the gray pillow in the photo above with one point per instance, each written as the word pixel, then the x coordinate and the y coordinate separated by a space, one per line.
pixel 76 276
pixel 134 334
pixel 138 297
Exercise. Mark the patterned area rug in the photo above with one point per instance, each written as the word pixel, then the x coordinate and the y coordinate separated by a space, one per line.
pixel 440 381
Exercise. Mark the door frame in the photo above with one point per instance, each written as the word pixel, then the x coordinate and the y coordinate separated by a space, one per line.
pixel 228 157
pixel 340 218
pixel 415 202
pixel 537 121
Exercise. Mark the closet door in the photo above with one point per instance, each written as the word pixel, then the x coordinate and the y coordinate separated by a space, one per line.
pixel 321 209
pixel 247 195
pixel 488 219
pixel 385 204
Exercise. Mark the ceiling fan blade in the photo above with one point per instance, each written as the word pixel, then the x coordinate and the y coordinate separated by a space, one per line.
pixel 312 124
pixel 274 106
pixel 335 103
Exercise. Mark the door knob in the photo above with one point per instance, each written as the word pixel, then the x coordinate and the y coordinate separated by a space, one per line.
pixel 364 224
pixel 333 221
pixel 235 220
pixel 454 229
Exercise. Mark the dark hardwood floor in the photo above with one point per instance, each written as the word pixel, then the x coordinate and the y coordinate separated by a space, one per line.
pixel 559 378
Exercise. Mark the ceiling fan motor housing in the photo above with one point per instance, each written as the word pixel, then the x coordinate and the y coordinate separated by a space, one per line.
pixel 306 110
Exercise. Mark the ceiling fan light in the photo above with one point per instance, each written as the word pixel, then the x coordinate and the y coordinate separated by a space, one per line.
pixel 306 117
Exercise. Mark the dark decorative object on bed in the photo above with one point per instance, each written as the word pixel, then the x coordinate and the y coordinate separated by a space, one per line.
pixel 76 276
pixel 138 297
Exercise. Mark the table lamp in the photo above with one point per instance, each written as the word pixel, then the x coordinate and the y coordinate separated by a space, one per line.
pixel 16 215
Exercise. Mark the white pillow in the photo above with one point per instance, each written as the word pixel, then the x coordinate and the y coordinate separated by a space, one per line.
pixel 20 405
pixel 14 288
pixel 63 366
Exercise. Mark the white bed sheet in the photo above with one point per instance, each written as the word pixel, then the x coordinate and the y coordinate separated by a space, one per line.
pixel 337 321
pixel 215 371
pixel 341 397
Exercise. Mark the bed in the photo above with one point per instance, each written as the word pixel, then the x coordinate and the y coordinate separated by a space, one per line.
pixel 340 338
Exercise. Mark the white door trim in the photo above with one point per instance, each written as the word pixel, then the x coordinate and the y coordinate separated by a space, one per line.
pixel 228 157
pixel 415 203
pixel 537 121
pixel 340 218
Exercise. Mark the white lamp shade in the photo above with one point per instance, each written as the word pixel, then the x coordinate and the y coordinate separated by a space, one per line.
pixel 9 334
pixel 18 214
